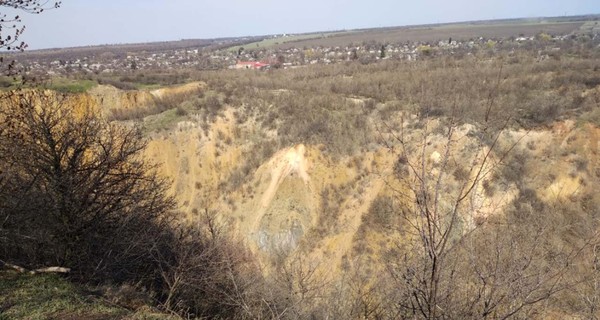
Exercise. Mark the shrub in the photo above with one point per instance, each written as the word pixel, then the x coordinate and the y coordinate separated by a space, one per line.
pixel 180 111
pixel 425 50
pixel 381 213
pixel 76 193
pixel 6 82
pixel 207 275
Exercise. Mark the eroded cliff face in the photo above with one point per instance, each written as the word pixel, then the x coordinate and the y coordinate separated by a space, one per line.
pixel 79 103
pixel 110 99
pixel 301 197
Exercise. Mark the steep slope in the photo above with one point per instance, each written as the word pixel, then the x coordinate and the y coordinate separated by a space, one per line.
pixel 302 198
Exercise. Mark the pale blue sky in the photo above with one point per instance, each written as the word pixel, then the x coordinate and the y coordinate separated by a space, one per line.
pixel 88 22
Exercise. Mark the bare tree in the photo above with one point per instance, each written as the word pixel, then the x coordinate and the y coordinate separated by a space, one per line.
pixel 207 273
pixel 11 41
pixel 459 258
pixel 434 211
pixel 75 191
pixel 11 27
pixel 300 283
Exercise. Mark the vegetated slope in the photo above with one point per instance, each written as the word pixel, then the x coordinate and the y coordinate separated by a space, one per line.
pixel 286 180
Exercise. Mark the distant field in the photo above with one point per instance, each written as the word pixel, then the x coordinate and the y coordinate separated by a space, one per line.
pixel 461 31
pixel 270 42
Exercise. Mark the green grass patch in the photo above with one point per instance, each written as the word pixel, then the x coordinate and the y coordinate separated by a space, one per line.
pixel 70 86
pixel 8 83
pixel 57 84
pixel 162 121
pixel 48 297
pixel 148 86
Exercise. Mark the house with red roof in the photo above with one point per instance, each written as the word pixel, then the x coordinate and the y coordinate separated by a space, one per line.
pixel 254 65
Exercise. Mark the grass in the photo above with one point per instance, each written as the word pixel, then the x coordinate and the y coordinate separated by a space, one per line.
pixel 46 296
pixel 70 86
pixel 147 86
pixel 163 121
pixel 8 83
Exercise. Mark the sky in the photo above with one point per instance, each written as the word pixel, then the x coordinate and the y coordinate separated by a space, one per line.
pixel 94 22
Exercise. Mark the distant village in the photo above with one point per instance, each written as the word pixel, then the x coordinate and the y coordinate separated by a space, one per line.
pixel 104 61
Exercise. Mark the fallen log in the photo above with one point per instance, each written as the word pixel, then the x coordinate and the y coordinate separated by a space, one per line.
pixel 40 270
pixel 51 270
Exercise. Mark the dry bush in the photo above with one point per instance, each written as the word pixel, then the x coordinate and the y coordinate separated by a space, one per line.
pixel 381 214
pixel 207 274
pixel 76 193
pixel 450 265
